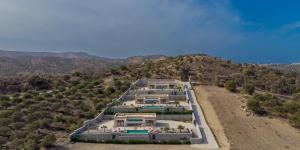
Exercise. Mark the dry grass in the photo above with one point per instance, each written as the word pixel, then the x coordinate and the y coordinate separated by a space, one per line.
pixel 243 131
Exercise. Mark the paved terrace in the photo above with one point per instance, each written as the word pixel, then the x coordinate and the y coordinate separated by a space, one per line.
pixel 132 103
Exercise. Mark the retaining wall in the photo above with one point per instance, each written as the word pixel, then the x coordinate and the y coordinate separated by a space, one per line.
pixel 101 136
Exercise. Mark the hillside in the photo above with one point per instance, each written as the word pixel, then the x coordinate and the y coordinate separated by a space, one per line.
pixel 13 62
pixel 54 105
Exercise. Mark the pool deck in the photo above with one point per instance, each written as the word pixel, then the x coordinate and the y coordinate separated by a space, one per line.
pixel 159 125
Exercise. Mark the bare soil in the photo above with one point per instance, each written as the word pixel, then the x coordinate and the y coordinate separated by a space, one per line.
pixel 243 131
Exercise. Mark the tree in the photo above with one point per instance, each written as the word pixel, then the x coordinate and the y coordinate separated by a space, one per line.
pixel 230 85
pixel 117 83
pixel 180 127
pixel 124 68
pixel 39 83
pixel 166 129
pixel 184 73
pixel 103 127
pixel 48 140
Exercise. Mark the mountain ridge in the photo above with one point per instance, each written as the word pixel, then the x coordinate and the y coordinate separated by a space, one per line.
pixel 15 62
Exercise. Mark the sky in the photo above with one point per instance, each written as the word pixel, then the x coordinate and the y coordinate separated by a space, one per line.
pixel 255 31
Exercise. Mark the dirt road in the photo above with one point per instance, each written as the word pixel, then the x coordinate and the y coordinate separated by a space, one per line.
pixel 241 131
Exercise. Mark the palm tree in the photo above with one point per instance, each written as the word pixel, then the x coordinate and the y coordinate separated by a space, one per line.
pixel 166 129
pixel 180 127
pixel 103 127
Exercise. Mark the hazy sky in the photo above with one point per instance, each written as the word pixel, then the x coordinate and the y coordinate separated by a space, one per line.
pixel 242 30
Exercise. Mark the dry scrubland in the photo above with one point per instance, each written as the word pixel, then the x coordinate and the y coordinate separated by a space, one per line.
pixel 55 105
pixel 242 131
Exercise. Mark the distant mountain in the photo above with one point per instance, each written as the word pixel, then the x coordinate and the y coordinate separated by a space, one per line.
pixel 295 67
pixel 15 62
pixel 139 59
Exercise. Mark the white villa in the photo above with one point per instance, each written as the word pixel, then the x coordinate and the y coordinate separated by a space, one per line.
pixel 151 110
pixel 135 120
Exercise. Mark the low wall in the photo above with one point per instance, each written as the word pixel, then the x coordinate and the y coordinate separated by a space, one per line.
pixel 173 136
pixel 195 118
pixel 97 137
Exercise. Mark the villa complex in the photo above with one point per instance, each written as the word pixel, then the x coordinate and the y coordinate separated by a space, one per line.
pixel 152 111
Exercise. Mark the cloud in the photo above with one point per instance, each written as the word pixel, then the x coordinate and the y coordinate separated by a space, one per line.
pixel 290 27
pixel 119 28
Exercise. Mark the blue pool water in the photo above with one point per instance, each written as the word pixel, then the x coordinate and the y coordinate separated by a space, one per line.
pixel 152 106
pixel 137 131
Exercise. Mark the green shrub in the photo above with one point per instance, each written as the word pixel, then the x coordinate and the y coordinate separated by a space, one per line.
pixel 109 90
pixel 230 85
pixel 4 131
pixel 249 89
pixel 27 96
pixel 30 144
pixel 4 98
pixel 291 107
pixel 255 107
pixel 48 140
pixel 294 120
pixel 3 140
pixel 5 113
pixel 73 127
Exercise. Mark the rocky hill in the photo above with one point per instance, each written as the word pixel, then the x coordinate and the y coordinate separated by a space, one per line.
pixel 34 109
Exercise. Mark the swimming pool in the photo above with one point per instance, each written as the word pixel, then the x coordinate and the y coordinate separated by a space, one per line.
pixel 137 131
pixel 135 119
pixel 157 107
